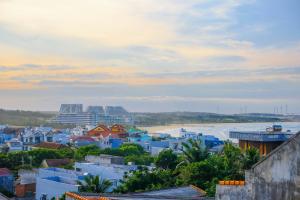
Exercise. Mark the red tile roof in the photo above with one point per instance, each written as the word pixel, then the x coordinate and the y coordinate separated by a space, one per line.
pixel 57 162
pixel 99 131
pixel 50 145
pixel 117 129
pixel 4 172
pixel 87 138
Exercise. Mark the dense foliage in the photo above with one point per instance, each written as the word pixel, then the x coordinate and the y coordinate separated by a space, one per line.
pixel 194 166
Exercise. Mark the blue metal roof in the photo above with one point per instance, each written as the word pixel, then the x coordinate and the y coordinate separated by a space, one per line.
pixel 260 136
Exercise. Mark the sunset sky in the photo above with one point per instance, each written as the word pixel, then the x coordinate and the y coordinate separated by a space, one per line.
pixel 151 55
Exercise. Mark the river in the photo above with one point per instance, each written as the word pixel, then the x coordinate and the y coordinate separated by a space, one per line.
pixel 220 130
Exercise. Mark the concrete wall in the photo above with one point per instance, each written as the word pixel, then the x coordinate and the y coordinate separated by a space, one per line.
pixel 231 192
pixel 277 177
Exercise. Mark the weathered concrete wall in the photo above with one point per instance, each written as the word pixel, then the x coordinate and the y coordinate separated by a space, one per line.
pixel 228 192
pixel 275 178
pixel 278 176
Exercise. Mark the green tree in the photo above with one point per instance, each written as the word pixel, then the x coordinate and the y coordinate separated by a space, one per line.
pixel 131 149
pixel 38 155
pixel 251 156
pixel 166 159
pixel 16 159
pixel 233 161
pixel 204 174
pixel 66 153
pixel 4 160
pixel 94 184
pixel 144 180
pixel 83 151
pixel 193 151
pixel 144 159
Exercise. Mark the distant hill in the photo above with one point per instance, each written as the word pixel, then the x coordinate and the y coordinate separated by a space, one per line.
pixel 24 118
pixel 29 118
pixel 150 119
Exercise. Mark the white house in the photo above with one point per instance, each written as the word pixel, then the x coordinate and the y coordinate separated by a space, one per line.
pixel 105 169
pixel 32 136
pixel 54 182
pixel 14 145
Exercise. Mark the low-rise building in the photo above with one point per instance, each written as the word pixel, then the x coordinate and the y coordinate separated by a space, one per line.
pixel 33 136
pixel 14 145
pixel 61 137
pixel 26 183
pixel 80 141
pixel 106 166
pixel 264 141
pixel 6 180
pixel 54 182
pixel 104 159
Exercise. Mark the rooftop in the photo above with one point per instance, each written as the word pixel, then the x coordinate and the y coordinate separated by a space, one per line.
pixel 4 172
pixel 262 136
pixel 57 162
pixel 50 145
pixel 185 192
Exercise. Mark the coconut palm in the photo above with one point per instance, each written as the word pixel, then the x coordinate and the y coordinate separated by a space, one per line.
pixel 94 184
pixel 193 151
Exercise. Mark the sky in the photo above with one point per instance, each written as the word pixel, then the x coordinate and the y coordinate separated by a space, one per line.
pixel 226 56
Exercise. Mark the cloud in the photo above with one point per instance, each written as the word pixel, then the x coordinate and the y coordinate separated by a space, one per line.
pixel 66 45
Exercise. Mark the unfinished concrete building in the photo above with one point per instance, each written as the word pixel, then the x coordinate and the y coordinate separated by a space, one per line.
pixel 276 177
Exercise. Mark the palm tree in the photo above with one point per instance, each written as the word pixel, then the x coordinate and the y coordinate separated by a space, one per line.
pixel 193 152
pixel 94 184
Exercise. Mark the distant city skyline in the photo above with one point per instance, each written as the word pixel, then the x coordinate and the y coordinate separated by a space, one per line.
pixel 225 56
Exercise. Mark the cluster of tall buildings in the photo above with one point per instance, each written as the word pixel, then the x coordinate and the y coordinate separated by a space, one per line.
pixel 93 115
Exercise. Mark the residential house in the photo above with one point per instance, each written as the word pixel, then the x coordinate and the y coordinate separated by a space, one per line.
pixel 77 131
pixel 61 137
pixel 107 138
pixel 137 135
pixel 6 180
pixel 25 185
pixel 33 136
pixel 119 130
pixel 79 141
pixel 54 182
pixel 14 145
pixel 264 141
pixel 8 133
pixel 101 131
pixel 107 167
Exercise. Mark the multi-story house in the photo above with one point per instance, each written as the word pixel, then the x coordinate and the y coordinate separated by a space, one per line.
pixel 33 136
